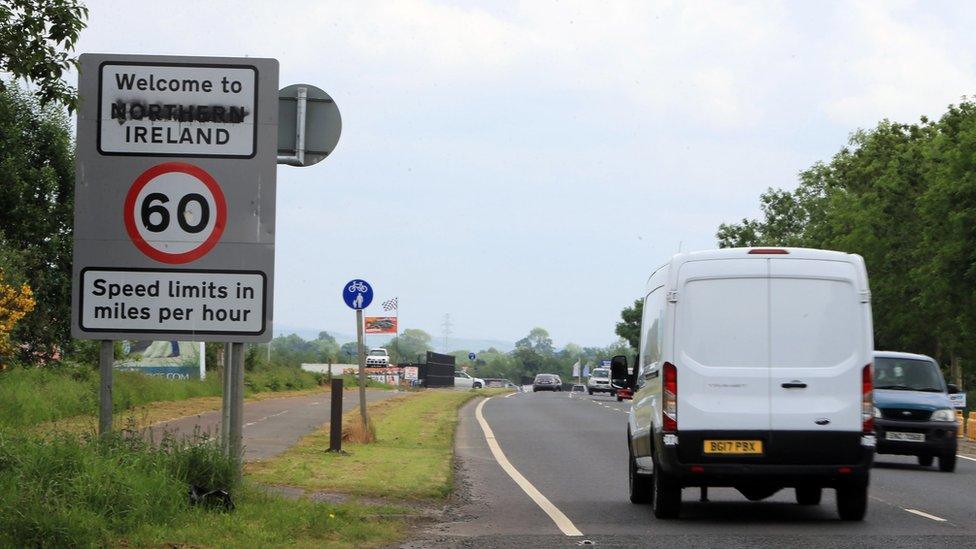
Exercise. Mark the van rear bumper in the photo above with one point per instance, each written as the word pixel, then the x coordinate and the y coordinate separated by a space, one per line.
pixel 789 458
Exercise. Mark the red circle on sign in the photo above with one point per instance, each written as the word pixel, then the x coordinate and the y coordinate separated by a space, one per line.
pixel 219 222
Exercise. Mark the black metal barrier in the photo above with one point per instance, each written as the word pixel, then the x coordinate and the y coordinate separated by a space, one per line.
pixel 438 371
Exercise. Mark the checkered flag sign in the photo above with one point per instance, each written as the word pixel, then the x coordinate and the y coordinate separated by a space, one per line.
pixel 390 304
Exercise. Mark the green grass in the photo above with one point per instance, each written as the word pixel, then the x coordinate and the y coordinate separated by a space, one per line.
pixel 30 396
pixel 413 457
pixel 67 491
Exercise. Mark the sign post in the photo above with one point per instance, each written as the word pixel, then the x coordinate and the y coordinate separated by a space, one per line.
pixel 175 208
pixel 358 294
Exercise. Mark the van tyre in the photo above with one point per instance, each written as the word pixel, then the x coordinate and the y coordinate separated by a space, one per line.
pixel 925 461
pixel 947 462
pixel 666 499
pixel 808 495
pixel 641 489
pixel 852 501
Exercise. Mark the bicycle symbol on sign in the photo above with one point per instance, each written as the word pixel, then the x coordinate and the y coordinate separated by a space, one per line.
pixel 358 286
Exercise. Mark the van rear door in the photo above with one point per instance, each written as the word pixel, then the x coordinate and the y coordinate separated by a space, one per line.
pixel 817 345
pixel 721 345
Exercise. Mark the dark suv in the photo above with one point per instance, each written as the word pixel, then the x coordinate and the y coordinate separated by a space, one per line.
pixel 912 412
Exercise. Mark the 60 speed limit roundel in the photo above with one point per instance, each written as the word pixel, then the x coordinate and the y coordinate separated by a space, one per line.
pixel 175 212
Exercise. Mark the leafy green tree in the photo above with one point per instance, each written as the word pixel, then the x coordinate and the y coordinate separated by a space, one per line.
pixel 36 41
pixel 538 340
pixel 36 204
pixel 409 346
pixel 349 352
pixel 630 326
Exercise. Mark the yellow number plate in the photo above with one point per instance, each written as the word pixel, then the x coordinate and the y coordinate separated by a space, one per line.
pixel 733 447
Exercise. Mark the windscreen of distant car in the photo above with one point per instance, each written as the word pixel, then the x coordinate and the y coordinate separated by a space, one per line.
pixel 905 374
pixel 600 372
pixel 377 353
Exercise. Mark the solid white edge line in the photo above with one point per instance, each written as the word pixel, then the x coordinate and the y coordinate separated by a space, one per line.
pixel 966 457
pixel 926 515
pixel 562 521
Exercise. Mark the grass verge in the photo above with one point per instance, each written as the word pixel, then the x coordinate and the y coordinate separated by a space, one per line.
pixel 413 457
pixel 66 396
pixel 69 491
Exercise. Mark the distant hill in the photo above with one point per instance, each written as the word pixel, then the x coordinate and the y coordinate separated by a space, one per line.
pixel 454 344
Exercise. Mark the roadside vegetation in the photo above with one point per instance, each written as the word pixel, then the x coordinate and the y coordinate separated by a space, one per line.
pixel 412 458
pixel 66 491
pixel 904 197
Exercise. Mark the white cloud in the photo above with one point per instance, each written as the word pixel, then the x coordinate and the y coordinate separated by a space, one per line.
pixel 896 61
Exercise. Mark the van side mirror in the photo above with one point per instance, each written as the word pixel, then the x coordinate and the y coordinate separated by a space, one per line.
pixel 953 388
pixel 618 371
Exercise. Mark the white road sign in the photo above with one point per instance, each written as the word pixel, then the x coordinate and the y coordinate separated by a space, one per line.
pixel 174 225
pixel 172 301
pixel 177 110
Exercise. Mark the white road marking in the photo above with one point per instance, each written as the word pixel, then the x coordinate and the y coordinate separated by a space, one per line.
pixel 926 515
pixel 966 457
pixel 562 521
pixel 510 394
pixel 265 417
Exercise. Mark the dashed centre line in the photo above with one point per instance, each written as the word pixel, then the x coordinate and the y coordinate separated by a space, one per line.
pixel 926 515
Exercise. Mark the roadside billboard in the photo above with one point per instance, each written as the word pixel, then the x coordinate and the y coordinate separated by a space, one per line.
pixel 178 360
pixel 380 324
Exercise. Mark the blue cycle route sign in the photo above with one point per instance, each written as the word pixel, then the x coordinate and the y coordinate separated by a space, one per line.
pixel 357 294
pixel 472 356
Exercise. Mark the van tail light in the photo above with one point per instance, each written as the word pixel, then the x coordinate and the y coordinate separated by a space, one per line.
pixel 867 401
pixel 670 398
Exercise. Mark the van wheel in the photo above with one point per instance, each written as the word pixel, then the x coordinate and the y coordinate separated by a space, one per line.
pixel 641 490
pixel 947 462
pixel 808 495
pixel 925 461
pixel 666 499
pixel 852 501
pixel 590 392
pixel 620 399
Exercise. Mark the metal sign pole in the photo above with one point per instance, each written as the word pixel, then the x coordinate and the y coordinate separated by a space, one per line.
pixel 362 367
pixel 225 399
pixel 237 407
pixel 106 355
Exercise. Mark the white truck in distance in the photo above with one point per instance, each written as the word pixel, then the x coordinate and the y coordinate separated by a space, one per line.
pixel 377 358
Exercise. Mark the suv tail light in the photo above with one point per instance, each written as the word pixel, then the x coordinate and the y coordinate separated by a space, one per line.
pixel 670 398
pixel 867 404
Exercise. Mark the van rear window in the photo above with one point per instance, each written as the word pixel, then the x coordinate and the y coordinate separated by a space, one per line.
pixel 724 321
pixel 813 322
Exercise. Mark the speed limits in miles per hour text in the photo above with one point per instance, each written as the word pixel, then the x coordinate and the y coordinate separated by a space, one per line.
pixel 172 301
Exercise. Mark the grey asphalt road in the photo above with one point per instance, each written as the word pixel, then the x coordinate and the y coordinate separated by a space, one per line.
pixel 271 426
pixel 573 451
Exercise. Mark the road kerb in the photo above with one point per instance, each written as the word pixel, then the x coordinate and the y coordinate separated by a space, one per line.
pixel 558 517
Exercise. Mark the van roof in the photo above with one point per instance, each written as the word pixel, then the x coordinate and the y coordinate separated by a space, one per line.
pixel 744 253
pixel 897 354
pixel 792 253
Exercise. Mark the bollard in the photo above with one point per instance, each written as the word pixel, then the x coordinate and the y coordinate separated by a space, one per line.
pixel 335 419
pixel 960 421
pixel 971 426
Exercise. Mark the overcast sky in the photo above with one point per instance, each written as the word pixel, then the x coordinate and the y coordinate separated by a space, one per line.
pixel 529 163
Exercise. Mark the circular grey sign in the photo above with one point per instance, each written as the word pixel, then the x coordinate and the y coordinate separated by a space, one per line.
pixel 323 124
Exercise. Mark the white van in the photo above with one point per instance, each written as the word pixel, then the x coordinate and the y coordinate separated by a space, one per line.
pixel 754 373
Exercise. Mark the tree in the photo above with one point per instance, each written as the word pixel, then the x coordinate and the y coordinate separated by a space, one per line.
pixel 630 327
pixel 410 345
pixel 538 340
pixel 36 40
pixel 36 205
pixel 349 351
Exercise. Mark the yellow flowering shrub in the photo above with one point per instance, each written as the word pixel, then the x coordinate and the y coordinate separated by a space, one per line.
pixel 15 303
